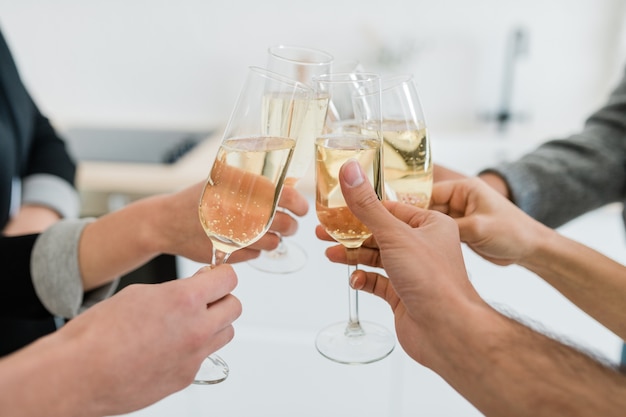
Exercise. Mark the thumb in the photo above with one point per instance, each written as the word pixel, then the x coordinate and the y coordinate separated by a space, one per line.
pixel 361 197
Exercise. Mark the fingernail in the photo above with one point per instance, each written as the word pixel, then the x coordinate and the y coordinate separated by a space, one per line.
pixel 203 269
pixel 353 279
pixel 352 173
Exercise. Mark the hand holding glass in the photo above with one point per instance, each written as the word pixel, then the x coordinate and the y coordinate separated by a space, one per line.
pixel 352 130
pixel 244 185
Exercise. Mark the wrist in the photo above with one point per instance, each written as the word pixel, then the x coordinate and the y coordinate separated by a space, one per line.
pixel 540 251
pixel 451 333
pixel 465 349
pixel 172 222
pixel 497 182
pixel 153 225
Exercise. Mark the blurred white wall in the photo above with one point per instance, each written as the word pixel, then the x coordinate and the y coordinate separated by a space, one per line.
pixel 170 63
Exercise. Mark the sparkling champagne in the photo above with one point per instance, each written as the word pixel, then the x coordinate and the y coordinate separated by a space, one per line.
pixel 279 112
pixel 240 196
pixel 408 163
pixel 332 212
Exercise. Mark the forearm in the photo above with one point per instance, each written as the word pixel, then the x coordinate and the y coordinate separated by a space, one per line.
pixel 507 369
pixel 48 377
pixel 592 281
pixel 31 219
pixel 120 242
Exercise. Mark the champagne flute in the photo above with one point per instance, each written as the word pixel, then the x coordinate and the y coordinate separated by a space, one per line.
pixel 349 65
pixel 351 131
pixel 243 187
pixel 301 64
pixel 408 165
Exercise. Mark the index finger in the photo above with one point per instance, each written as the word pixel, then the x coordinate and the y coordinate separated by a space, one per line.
pixel 292 200
pixel 364 203
pixel 449 197
pixel 212 283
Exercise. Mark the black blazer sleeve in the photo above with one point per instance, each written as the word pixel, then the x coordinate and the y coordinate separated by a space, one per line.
pixel 48 153
pixel 29 143
pixel 41 148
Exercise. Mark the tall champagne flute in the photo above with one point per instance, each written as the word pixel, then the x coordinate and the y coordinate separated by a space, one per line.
pixel 301 64
pixel 407 153
pixel 243 187
pixel 353 131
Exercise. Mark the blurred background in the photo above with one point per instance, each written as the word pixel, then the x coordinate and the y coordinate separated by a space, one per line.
pixel 495 78
pixel 151 63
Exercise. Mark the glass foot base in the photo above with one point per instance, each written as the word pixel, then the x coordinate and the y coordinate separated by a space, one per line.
pixel 212 371
pixel 285 259
pixel 373 343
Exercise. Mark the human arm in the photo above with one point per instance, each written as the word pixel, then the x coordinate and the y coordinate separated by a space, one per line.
pixel 500 232
pixel 36 159
pixel 495 180
pixel 120 241
pixel 47 193
pixel 127 352
pixel 498 364
pixel 44 200
pixel 48 180
pixel 565 178
pixel 72 264
pixel 31 219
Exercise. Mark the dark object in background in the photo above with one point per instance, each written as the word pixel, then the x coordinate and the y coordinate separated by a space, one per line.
pixel 160 269
pixel 25 331
pixel 132 145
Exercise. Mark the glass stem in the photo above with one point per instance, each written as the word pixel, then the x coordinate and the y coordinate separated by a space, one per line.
pixel 281 249
pixel 354 326
pixel 219 257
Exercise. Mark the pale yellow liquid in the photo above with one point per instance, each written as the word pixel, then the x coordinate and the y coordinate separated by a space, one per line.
pixel 283 115
pixel 408 163
pixel 241 193
pixel 332 212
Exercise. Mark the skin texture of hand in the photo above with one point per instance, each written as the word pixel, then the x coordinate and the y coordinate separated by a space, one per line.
pixel 490 224
pixel 126 352
pixel 501 366
pixel 494 180
pixel 407 236
pixel 31 219
pixel 120 241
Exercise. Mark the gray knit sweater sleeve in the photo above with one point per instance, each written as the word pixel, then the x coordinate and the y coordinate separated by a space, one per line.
pixel 55 271
pixel 563 179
